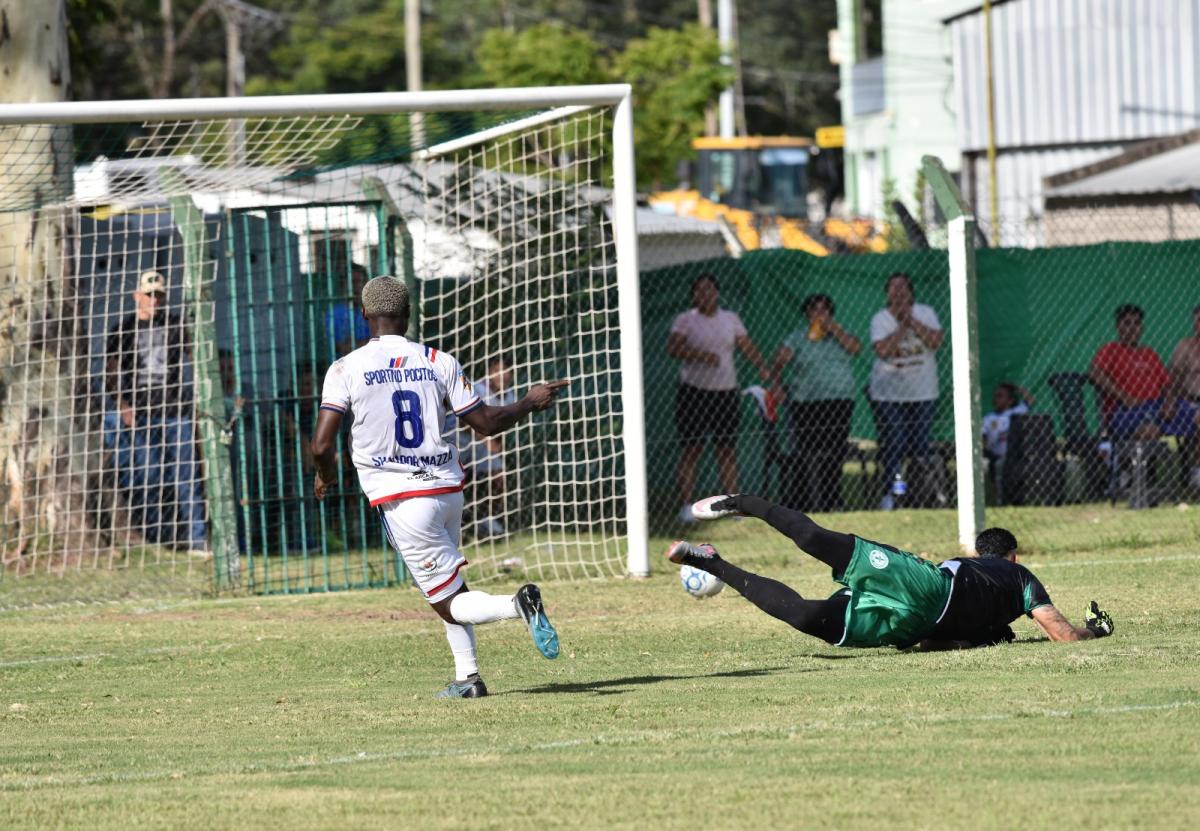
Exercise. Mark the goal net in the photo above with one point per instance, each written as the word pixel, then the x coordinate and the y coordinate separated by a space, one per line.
pixel 176 277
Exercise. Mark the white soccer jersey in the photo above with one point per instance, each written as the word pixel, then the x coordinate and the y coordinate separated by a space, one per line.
pixel 398 392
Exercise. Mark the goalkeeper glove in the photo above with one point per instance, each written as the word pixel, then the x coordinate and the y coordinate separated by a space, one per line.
pixel 1098 621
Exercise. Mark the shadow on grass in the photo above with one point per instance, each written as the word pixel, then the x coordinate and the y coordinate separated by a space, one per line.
pixel 601 687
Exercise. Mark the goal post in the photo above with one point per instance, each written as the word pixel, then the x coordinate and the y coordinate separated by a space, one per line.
pixel 260 214
pixel 964 347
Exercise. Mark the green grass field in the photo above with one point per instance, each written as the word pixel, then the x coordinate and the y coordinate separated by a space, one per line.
pixel 663 711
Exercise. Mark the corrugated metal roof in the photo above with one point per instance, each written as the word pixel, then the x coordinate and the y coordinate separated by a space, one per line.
pixel 1079 71
pixel 650 221
pixel 1019 177
pixel 1170 172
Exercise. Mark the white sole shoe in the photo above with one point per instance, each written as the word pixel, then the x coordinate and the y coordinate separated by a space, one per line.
pixel 704 508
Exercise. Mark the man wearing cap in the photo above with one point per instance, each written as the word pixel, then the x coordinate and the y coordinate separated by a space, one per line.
pixel 149 422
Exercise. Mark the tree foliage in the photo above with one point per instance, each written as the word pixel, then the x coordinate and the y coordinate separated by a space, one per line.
pixel 547 54
pixel 119 51
pixel 362 53
pixel 675 74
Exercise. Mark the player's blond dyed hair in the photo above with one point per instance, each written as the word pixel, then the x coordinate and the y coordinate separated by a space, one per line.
pixel 385 296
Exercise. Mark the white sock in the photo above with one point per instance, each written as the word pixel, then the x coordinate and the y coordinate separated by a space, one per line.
pixel 462 646
pixel 481 607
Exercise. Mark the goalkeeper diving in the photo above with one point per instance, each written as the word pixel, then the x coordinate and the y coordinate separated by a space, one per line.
pixel 892 597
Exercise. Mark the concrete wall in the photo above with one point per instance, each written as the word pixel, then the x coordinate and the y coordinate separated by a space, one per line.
pixel 1156 219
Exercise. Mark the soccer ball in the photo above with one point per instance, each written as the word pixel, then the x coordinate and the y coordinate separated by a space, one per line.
pixel 699 583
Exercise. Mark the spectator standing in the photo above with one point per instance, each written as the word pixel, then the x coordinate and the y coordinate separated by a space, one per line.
pixel 707 404
pixel 822 392
pixel 1139 398
pixel 904 383
pixel 343 323
pixel 150 429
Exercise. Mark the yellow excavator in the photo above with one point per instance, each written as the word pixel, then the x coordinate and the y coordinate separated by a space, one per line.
pixel 758 187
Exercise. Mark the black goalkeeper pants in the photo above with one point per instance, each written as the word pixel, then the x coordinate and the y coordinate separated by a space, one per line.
pixel 824 619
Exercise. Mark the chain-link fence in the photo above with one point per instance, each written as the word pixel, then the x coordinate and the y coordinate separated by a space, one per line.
pixel 824 382
pixel 1090 354
pixel 761 375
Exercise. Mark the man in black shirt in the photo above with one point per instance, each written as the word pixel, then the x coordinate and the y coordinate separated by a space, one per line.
pixel 892 597
pixel 150 430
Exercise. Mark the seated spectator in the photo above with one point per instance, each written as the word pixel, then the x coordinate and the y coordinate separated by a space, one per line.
pixel 822 402
pixel 1139 397
pixel 1008 400
pixel 1185 362
pixel 484 455
pixel 148 419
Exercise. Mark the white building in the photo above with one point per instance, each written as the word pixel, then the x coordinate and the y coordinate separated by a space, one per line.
pixel 1075 82
pixel 897 94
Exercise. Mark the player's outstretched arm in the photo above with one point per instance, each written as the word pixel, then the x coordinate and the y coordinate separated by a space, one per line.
pixel 489 421
pixel 324 442
pixel 1098 624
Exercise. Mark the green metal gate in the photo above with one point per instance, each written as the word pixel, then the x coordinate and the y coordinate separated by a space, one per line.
pixel 293 277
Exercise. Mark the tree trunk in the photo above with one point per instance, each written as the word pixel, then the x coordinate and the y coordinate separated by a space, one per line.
pixel 44 386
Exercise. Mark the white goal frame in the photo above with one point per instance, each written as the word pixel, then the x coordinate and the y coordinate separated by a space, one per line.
pixel 624 207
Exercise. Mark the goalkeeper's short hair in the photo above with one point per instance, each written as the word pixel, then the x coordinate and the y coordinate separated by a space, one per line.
pixel 995 542
pixel 385 297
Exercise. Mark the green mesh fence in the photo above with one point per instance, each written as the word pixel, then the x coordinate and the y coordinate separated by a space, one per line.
pixel 167 454
pixel 1043 314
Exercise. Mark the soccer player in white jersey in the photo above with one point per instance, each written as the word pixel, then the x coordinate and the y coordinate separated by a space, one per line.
pixel 398 392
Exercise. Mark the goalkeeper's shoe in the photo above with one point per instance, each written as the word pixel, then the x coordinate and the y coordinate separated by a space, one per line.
pixel 528 600
pixel 715 507
pixel 1098 621
pixel 692 554
pixel 473 687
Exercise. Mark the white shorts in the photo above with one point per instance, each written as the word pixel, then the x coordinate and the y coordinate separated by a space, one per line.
pixel 425 531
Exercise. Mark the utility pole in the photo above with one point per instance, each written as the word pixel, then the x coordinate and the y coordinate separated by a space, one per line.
pixel 993 197
pixel 235 61
pixel 412 66
pixel 725 16
pixel 238 16
pixel 710 112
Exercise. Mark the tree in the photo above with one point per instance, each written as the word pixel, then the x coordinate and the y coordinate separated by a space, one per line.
pixel 43 342
pixel 544 55
pixel 675 74
pixel 359 53
pixel 788 82
pixel 165 48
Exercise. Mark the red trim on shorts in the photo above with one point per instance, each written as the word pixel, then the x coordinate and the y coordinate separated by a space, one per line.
pixel 407 494
pixel 453 577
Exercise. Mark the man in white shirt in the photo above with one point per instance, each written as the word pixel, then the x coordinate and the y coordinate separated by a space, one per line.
pixel 398 392
pixel 707 403
pixel 904 382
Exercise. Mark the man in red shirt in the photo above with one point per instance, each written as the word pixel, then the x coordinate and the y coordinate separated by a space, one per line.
pixel 1140 398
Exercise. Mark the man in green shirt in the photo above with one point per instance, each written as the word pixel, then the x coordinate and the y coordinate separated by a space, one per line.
pixel 892 597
